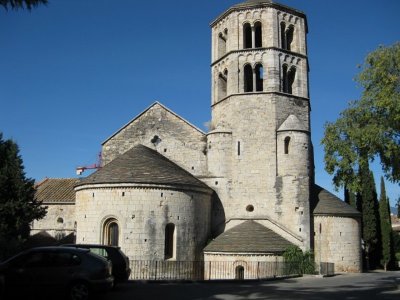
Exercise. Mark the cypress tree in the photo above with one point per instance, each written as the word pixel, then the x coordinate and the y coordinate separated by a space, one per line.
pixel 370 218
pixel 386 229
pixel 18 207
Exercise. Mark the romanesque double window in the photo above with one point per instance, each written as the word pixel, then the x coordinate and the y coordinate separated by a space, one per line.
pixel 287 33
pixel 253 78
pixel 288 76
pixel 252 35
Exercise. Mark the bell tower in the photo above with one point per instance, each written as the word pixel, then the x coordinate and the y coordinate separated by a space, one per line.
pixel 259 148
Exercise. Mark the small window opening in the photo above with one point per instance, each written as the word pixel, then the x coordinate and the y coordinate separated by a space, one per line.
pixel 60 220
pixel 155 140
pixel 165 149
pixel 169 241
pixel 287 143
pixel 258 34
pixel 238 148
pixel 123 194
pixel 250 208
pixel 284 79
pixel 248 79
pixel 247 42
pixel 239 273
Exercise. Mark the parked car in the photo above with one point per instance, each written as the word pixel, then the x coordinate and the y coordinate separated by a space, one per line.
pixel 55 272
pixel 120 262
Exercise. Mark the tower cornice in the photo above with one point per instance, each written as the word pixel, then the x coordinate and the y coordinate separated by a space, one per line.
pixel 258 50
pixel 261 93
pixel 260 4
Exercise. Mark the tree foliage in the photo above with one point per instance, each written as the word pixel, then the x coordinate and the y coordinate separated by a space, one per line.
pixel 298 262
pixel 369 127
pixel 18 207
pixel 369 207
pixel 386 227
pixel 20 4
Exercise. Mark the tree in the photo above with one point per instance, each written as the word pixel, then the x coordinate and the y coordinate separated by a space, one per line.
pixel 18 207
pixel 370 127
pixel 398 207
pixel 370 219
pixel 386 227
pixel 19 4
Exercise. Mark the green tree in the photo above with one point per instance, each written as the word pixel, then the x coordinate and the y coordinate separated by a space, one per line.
pixel 398 207
pixel 18 4
pixel 386 227
pixel 370 127
pixel 18 207
pixel 370 219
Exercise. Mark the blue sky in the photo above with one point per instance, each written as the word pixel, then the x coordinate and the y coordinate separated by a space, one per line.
pixel 74 72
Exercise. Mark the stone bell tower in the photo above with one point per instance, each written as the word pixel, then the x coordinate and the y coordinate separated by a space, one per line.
pixel 259 149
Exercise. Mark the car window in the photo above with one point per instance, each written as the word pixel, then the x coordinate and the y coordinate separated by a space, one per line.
pixel 99 251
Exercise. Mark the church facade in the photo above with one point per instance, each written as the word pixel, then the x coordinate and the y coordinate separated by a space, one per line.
pixel 242 192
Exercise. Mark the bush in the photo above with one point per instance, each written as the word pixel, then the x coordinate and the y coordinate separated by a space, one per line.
pixel 298 262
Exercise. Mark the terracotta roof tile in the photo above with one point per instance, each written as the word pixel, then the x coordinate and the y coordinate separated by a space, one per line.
pixel 56 190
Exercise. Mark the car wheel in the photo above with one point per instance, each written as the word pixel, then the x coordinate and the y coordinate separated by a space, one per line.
pixel 79 291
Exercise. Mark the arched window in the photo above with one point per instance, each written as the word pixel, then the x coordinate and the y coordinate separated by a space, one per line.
pixel 169 241
pixel 221 45
pixel 289 37
pixel 248 78
pixel 222 84
pixel 290 79
pixel 258 34
pixel 283 35
pixel 287 143
pixel 247 42
pixel 284 81
pixel 239 273
pixel 259 77
pixel 111 232
pixel 60 220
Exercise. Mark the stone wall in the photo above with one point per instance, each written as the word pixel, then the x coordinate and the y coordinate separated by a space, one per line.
pixel 338 240
pixel 161 130
pixel 142 213
pixel 255 266
pixel 58 222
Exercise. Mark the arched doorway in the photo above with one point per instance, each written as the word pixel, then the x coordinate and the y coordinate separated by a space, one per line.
pixel 239 273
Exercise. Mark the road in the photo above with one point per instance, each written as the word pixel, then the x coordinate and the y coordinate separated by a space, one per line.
pixel 366 286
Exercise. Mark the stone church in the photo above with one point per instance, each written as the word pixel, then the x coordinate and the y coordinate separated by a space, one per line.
pixel 245 190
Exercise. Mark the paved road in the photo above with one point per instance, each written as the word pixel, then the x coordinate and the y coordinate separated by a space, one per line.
pixel 366 286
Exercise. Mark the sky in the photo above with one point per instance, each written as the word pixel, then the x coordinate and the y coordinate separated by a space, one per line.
pixel 75 71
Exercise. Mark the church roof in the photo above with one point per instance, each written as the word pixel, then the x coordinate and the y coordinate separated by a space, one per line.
pixel 292 123
pixel 142 165
pixel 249 237
pixel 325 203
pixel 56 190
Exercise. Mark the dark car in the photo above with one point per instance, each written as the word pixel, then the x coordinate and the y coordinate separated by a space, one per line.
pixel 55 272
pixel 120 262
